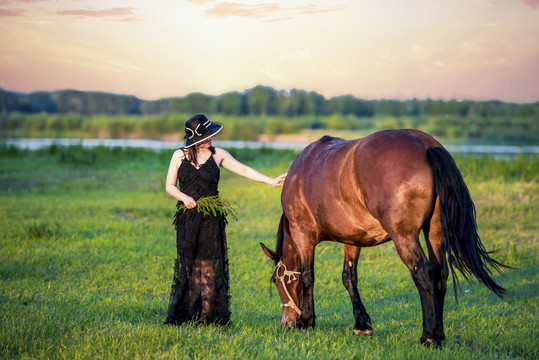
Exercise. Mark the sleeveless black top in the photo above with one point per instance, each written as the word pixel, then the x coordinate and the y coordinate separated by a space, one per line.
pixel 199 182
pixel 199 236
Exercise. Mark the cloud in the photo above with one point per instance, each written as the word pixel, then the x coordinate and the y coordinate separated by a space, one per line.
pixel 298 54
pixel 124 12
pixel 531 3
pixel 265 11
pixel 199 2
pixel 5 2
pixel 303 66
pixel 420 52
pixel 14 13
pixel 103 64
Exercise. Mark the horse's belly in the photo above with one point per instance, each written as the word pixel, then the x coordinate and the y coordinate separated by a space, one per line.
pixel 352 231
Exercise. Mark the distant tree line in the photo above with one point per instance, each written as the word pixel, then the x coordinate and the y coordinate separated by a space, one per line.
pixel 258 101
pixel 496 130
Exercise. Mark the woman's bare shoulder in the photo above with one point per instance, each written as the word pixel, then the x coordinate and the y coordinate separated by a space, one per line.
pixel 178 156
pixel 219 150
pixel 222 152
pixel 180 152
pixel 220 155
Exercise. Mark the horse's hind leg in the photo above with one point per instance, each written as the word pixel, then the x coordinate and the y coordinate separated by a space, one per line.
pixel 437 250
pixel 349 279
pixel 411 254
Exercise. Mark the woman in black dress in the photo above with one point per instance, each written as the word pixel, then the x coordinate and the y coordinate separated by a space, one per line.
pixel 200 290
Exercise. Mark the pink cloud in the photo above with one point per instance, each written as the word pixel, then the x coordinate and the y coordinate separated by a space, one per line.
pixel 265 11
pixel 15 13
pixel 114 12
pixel 531 3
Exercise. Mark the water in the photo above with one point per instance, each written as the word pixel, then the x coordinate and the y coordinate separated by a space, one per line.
pixel 38 143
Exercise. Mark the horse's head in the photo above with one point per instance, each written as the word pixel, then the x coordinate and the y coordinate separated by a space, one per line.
pixel 287 278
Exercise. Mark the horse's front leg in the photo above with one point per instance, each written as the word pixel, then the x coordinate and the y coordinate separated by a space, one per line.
pixel 308 317
pixel 349 279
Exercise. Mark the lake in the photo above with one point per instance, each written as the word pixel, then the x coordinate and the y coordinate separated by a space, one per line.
pixel 38 143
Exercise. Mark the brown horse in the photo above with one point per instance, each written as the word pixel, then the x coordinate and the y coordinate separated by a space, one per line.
pixel 387 186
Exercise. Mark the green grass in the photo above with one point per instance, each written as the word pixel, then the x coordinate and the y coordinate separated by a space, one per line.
pixel 87 250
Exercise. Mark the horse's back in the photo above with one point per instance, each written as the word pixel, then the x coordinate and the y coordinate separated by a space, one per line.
pixel 390 159
pixel 357 189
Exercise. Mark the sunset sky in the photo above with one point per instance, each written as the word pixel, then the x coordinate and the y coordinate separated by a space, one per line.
pixel 462 49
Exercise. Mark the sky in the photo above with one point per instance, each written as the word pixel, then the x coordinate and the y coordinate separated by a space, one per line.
pixel 391 49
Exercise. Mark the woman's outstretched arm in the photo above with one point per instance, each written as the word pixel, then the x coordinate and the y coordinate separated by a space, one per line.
pixel 229 163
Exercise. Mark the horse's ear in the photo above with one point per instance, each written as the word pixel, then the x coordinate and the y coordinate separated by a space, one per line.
pixel 269 253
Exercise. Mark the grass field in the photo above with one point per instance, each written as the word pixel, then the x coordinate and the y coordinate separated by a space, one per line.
pixel 87 249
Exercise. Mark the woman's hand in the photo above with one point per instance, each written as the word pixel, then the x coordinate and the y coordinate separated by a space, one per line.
pixel 189 202
pixel 278 181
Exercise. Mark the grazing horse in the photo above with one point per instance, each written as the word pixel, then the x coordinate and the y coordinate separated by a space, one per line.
pixel 387 186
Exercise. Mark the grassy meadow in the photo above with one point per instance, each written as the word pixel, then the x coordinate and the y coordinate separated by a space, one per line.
pixel 87 251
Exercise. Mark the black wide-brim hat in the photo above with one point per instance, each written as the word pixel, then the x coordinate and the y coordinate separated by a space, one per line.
pixel 199 128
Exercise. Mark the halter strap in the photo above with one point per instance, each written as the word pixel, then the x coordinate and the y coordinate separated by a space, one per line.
pixel 291 277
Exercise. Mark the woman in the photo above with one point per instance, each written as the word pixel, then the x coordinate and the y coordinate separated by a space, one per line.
pixel 200 286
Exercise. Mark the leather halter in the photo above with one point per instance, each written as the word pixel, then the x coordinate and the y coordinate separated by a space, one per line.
pixel 291 277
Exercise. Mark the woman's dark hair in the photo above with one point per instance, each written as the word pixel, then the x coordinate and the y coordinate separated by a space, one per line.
pixel 192 154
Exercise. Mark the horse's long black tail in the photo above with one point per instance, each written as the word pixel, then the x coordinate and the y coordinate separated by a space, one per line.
pixel 457 213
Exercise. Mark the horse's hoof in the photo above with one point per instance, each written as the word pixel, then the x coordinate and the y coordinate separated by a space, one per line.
pixel 304 324
pixel 431 342
pixel 366 332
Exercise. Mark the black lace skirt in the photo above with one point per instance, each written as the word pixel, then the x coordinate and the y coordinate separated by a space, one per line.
pixel 200 287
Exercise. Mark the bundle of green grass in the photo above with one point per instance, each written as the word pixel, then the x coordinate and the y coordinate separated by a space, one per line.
pixel 214 205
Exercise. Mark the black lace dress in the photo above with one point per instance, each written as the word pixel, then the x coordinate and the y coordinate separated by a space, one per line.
pixel 200 290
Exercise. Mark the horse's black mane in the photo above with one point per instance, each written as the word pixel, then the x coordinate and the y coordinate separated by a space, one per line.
pixel 279 243
pixel 327 138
